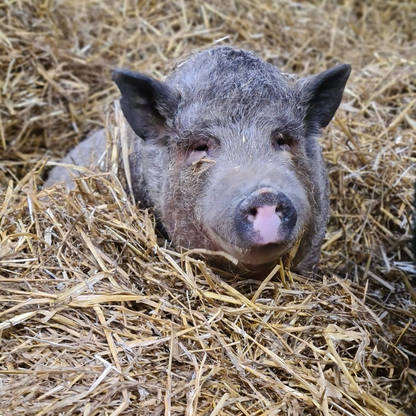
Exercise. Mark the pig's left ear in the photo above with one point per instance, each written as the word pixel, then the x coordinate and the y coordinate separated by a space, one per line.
pixel 323 94
pixel 146 103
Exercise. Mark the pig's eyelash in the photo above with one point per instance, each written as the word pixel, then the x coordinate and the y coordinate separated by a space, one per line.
pixel 202 143
pixel 201 148
pixel 198 146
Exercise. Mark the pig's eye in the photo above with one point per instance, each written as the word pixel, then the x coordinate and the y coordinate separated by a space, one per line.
pixel 282 142
pixel 201 148
pixel 197 152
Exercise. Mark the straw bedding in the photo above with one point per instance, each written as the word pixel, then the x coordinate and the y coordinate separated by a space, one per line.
pixel 101 316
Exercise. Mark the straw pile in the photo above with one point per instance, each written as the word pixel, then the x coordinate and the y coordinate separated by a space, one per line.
pixel 100 316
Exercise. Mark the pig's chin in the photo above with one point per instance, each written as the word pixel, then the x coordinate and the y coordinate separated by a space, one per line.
pixel 255 254
pixel 262 255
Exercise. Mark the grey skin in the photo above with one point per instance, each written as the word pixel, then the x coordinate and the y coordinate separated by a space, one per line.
pixel 225 138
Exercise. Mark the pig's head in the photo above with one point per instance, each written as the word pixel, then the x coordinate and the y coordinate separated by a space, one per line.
pixel 230 145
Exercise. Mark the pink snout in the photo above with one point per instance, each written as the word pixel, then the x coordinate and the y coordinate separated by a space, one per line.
pixel 265 217
pixel 266 223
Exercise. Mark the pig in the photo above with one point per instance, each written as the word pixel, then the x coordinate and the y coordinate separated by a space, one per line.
pixel 226 151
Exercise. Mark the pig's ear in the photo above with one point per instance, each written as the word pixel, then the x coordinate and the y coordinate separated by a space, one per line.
pixel 146 103
pixel 323 95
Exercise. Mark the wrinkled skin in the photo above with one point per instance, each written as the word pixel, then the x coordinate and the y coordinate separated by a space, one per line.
pixel 228 155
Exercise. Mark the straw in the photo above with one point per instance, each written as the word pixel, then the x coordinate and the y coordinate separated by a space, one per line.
pixel 100 316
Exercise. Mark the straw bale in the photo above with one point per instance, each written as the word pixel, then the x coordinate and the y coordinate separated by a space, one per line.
pixel 99 315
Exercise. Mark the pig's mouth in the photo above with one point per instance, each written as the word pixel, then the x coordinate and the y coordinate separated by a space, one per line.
pixel 254 254
pixel 264 254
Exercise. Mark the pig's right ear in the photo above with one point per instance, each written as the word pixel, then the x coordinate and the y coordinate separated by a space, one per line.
pixel 146 103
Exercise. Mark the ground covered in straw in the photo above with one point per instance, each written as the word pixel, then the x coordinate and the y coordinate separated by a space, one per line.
pixel 100 316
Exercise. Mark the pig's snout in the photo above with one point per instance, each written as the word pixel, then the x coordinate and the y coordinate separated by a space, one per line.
pixel 265 217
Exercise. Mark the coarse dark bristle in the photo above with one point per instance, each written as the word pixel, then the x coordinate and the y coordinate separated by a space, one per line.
pixel 99 315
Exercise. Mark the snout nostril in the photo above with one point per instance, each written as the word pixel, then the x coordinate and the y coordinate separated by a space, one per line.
pixel 252 211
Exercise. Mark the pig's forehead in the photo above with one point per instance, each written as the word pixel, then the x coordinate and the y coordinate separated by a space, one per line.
pixel 228 86
pixel 228 73
pixel 217 117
